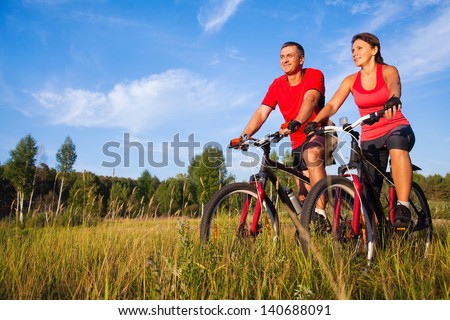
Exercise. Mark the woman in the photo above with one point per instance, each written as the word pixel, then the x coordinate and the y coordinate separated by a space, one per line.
pixel 376 86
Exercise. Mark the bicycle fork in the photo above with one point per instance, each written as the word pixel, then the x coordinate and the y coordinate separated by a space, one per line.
pixel 357 205
pixel 392 203
pixel 358 220
pixel 257 212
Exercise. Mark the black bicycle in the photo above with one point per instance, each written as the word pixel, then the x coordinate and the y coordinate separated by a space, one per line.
pixel 245 209
pixel 352 216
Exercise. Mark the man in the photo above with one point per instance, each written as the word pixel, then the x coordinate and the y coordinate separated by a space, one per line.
pixel 299 93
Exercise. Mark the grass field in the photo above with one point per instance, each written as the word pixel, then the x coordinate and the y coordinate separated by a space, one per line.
pixel 163 258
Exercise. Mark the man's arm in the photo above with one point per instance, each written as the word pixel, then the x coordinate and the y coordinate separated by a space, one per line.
pixel 310 102
pixel 257 120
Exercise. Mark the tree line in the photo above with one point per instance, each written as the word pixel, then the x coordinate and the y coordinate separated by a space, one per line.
pixel 32 191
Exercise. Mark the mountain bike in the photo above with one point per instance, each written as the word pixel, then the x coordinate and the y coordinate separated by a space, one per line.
pixel 355 218
pixel 245 209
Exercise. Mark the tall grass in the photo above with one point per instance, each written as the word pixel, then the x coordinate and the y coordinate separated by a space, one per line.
pixel 439 209
pixel 163 259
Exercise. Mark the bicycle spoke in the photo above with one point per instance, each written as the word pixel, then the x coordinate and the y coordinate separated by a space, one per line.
pixel 230 215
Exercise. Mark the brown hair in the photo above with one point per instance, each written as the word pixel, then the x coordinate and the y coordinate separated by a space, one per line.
pixel 300 50
pixel 373 41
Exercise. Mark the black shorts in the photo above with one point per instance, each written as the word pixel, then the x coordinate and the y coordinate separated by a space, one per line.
pixel 297 153
pixel 401 137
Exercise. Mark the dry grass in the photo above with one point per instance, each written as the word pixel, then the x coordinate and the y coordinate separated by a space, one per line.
pixel 163 259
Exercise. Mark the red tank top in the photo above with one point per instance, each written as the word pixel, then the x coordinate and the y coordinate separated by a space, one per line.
pixel 369 101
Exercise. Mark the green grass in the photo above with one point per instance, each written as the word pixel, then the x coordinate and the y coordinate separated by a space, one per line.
pixel 439 209
pixel 163 259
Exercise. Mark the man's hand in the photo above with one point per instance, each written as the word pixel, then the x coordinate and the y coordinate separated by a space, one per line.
pixel 236 143
pixel 290 127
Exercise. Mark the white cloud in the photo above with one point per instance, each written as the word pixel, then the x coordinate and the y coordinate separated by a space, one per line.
pixel 421 49
pixel 147 103
pixel 425 3
pixel 426 50
pixel 234 54
pixel 214 17
pixel 360 7
pixel 383 14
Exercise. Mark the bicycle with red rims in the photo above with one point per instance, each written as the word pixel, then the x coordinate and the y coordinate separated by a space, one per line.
pixel 248 209
pixel 343 211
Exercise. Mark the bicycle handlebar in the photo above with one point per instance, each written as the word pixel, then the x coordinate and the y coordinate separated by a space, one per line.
pixel 369 118
pixel 267 139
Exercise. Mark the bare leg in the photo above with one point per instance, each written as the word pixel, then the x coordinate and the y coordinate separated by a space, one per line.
pixel 314 156
pixel 302 187
pixel 401 173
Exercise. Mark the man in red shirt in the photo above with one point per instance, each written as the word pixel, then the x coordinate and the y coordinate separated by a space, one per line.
pixel 300 94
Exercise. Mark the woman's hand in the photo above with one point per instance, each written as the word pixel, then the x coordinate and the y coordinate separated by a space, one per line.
pixel 392 106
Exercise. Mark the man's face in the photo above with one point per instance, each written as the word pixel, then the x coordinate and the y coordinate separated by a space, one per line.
pixel 290 61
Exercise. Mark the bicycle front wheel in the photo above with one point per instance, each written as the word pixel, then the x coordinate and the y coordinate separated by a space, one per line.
pixel 335 229
pixel 230 214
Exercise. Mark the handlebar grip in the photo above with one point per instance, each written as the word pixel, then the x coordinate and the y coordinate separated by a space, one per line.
pixel 320 131
pixel 374 117
pixel 381 112
pixel 234 143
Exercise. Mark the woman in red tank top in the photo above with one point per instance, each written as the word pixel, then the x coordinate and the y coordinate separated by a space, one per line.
pixel 372 87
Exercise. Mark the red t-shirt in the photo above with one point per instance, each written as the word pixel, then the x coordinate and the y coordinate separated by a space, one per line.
pixel 290 98
pixel 369 101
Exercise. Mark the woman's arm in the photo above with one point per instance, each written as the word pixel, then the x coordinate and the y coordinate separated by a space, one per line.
pixel 392 79
pixel 337 100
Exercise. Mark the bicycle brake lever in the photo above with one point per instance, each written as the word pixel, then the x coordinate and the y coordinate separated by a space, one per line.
pixel 276 137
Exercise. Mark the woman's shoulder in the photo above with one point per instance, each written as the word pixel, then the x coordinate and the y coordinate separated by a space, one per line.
pixel 350 80
pixel 389 69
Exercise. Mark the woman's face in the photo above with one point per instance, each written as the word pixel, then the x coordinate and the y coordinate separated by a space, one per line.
pixel 362 52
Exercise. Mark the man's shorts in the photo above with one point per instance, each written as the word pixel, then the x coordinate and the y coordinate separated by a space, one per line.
pixel 297 153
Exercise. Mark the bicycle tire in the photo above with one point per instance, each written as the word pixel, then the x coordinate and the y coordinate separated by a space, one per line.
pixel 221 217
pixel 321 231
pixel 421 233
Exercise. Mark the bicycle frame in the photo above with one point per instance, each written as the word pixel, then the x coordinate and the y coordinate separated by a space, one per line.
pixel 359 162
pixel 260 179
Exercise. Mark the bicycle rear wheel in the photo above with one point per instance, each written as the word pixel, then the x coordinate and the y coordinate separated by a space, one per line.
pixel 420 234
pixel 230 211
pixel 334 229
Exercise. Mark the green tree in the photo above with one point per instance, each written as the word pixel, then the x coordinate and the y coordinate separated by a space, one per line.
pixel 173 196
pixel 434 187
pixel 65 159
pixel 145 189
pixel 168 196
pixel 207 173
pixel 20 170
pixel 118 199
pixel 44 186
pixel 446 187
pixel 85 204
pixel 7 193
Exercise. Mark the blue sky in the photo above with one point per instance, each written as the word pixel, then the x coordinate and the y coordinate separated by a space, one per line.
pixel 156 72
